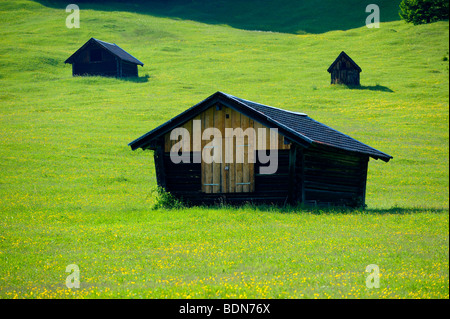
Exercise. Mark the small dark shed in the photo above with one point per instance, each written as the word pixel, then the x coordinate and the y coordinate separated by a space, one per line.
pixel 315 164
pixel 344 70
pixel 97 57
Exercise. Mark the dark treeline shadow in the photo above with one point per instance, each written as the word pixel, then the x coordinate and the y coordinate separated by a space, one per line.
pixel 291 16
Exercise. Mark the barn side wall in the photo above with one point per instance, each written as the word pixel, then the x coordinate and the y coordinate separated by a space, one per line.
pixel 83 66
pixel 331 177
pixel 316 175
pixel 347 77
pixel 129 69
pixel 107 68
pixel 344 72
pixel 312 176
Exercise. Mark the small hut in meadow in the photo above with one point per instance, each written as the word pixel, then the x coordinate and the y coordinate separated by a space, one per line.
pixel 315 164
pixel 97 57
pixel 345 71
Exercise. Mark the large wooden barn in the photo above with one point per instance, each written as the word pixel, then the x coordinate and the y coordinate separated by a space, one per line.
pixel 315 163
pixel 97 57
pixel 345 71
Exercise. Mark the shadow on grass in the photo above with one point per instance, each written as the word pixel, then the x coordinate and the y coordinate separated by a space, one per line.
pixel 136 79
pixel 377 87
pixel 317 210
pixel 371 211
pixel 402 211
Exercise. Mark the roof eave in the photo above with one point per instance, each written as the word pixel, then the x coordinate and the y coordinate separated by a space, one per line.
pixel 158 131
pixel 100 43
pixel 106 47
pixel 383 156
pixel 343 54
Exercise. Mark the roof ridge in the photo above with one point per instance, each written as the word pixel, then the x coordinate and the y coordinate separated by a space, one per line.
pixel 306 116
pixel 105 44
pixel 272 107
pixel 281 125
pixel 98 40
pixel 110 47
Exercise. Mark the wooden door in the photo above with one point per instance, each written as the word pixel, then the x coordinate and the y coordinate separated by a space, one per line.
pixel 228 176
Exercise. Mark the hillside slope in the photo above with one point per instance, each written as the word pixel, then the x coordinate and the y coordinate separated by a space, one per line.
pixel 400 109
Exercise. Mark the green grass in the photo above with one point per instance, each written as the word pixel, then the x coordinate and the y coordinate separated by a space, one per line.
pixel 72 191
pixel 226 253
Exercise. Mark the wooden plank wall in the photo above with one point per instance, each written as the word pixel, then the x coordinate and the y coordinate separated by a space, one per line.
pixel 226 177
pixel 233 121
pixel 274 186
pixel 333 178
pixel 129 69
pixel 108 68
pixel 316 175
pixel 345 73
pixel 83 66
pixel 182 179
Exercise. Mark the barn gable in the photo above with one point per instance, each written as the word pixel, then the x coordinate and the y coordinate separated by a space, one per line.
pixel 314 163
pixel 227 175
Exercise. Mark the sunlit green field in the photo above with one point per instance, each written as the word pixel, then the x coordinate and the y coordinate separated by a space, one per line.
pixel 72 191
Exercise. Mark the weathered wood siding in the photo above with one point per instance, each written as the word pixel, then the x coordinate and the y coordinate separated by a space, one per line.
pixel 84 66
pixel 212 118
pixel 108 68
pixel 314 175
pixel 345 73
pixel 331 177
pixel 184 181
pixel 274 187
pixel 226 177
pixel 128 69
pixel 108 65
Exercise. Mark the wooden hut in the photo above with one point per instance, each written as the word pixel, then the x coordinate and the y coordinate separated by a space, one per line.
pixel 344 71
pixel 316 164
pixel 97 57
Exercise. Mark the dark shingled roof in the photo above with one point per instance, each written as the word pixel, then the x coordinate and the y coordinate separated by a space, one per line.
pixel 301 127
pixel 345 56
pixel 112 48
pixel 313 130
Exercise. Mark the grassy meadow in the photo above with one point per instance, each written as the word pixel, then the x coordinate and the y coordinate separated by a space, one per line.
pixel 72 191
